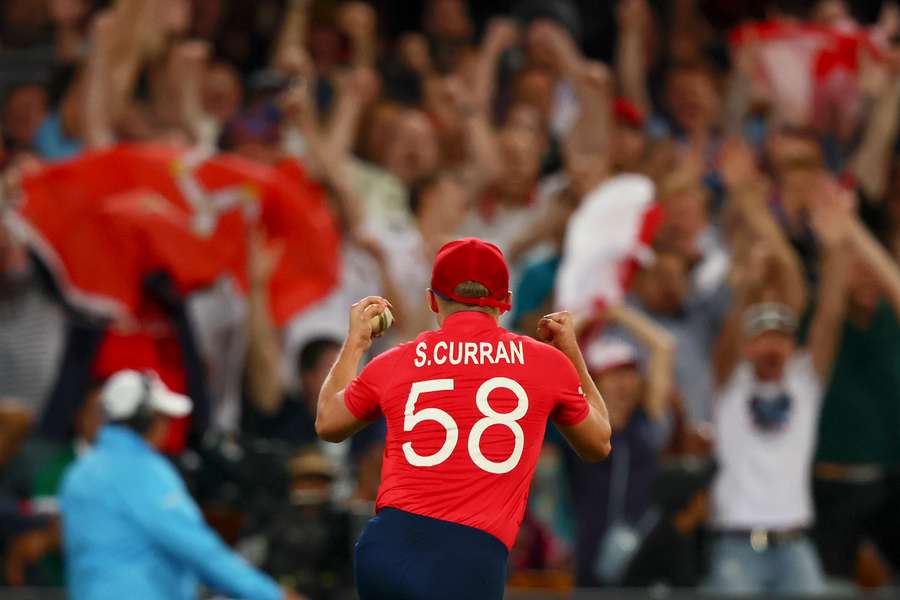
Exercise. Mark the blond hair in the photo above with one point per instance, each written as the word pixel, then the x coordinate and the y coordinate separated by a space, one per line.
pixel 468 289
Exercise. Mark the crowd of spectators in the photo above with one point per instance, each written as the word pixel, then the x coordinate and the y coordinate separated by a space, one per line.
pixel 749 355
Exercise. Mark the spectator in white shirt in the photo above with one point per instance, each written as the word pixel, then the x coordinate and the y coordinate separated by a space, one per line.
pixel 769 392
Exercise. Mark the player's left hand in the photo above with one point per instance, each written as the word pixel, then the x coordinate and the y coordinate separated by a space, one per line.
pixel 559 329
pixel 359 334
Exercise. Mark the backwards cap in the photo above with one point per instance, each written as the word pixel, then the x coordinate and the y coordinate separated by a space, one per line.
pixel 471 259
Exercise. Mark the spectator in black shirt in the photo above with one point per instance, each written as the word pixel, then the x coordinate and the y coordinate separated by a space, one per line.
pixel 671 552
pixel 310 539
pixel 293 420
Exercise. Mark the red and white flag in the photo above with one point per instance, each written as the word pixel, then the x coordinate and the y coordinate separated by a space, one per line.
pixel 606 239
pixel 808 71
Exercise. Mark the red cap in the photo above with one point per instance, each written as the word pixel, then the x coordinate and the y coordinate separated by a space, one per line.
pixel 471 259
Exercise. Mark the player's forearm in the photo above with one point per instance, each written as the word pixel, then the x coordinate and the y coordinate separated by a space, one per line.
pixel 342 373
pixel 598 446
pixel 587 382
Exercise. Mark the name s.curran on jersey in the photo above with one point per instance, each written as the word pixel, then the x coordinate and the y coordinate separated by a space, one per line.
pixel 470 353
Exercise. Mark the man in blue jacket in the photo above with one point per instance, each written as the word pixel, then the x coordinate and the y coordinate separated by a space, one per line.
pixel 130 528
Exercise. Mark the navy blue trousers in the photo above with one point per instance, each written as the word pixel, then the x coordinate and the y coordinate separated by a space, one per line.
pixel 402 556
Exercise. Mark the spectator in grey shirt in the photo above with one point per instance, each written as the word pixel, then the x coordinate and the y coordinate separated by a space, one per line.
pixel 689 305
pixel 32 327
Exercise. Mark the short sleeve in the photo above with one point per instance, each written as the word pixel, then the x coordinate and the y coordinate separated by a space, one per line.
pixel 571 406
pixel 364 394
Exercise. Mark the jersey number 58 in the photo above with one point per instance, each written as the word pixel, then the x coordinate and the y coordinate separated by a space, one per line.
pixel 491 417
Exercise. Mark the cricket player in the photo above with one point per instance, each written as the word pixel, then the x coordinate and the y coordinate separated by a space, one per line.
pixel 466 408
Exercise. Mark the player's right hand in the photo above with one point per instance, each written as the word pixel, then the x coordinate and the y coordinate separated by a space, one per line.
pixel 558 329
pixel 359 333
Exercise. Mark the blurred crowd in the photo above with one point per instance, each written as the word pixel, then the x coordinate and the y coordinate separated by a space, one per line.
pixel 712 187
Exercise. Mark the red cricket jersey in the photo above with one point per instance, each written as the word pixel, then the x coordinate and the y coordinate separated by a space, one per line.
pixel 466 409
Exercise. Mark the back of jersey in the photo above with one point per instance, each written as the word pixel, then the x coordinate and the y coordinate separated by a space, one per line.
pixel 466 409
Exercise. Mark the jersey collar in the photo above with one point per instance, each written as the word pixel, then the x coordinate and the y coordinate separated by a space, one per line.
pixel 468 318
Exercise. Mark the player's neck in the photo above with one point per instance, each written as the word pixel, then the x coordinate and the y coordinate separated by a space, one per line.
pixel 442 317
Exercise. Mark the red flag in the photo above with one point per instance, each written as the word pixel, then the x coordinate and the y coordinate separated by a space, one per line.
pixel 106 219
pixel 310 264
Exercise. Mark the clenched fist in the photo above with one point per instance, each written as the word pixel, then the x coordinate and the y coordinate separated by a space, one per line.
pixel 558 329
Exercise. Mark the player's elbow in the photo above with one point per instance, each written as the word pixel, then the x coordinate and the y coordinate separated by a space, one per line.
pixel 328 432
pixel 604 452
pixel 334 438
pixel 328 435
pixel 325 429
pixel 600 446
pixel 591 439
pixel 596 452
